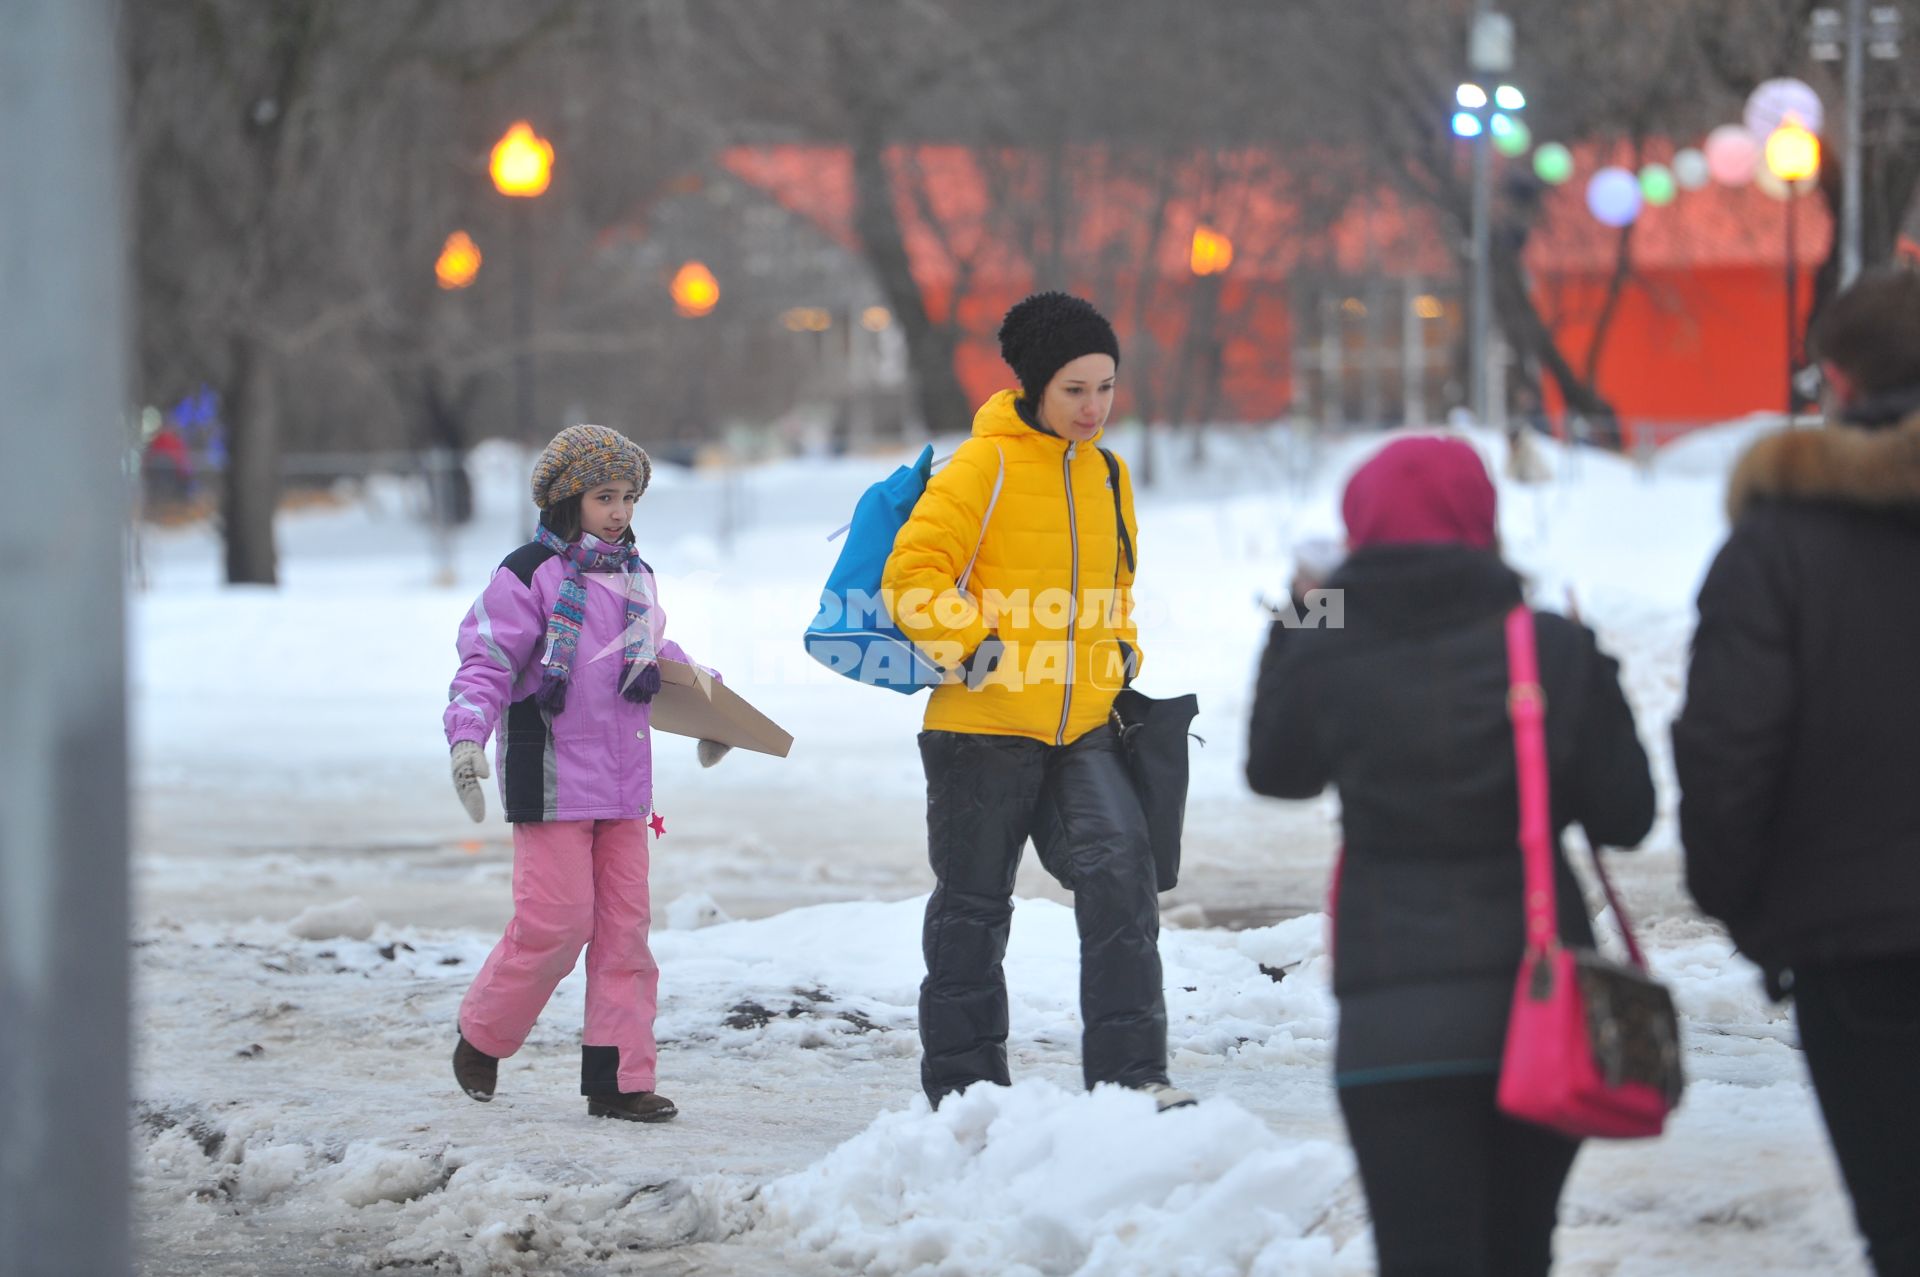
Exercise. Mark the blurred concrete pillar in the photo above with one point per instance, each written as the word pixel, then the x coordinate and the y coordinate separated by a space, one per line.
pixel 63 509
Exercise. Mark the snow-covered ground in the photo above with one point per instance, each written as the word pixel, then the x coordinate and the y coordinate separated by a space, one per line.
pixel 312 902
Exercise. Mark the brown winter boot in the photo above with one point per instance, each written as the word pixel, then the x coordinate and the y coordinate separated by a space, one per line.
pixel 475 1070
pixel 632 1106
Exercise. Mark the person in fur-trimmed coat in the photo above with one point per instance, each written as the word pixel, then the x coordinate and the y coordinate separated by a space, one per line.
pixel 1799 747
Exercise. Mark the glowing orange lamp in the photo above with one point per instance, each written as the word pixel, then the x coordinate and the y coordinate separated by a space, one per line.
pixel 522 162
pixel 459 262
pixel 695 291
pixel 1212 251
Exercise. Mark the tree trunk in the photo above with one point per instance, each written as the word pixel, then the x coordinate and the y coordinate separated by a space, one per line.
pixel 1528 332
pixel 251 417
pixel 930 347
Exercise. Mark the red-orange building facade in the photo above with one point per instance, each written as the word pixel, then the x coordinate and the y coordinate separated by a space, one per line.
pixel 1345 308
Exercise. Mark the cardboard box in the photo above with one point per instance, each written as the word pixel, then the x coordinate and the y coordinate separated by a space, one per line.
pixel 691 704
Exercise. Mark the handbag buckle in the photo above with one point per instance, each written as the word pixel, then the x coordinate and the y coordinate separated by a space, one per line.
pixel 1526 696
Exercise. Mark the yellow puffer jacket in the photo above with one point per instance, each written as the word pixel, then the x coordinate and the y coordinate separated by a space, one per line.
pixel 1050 579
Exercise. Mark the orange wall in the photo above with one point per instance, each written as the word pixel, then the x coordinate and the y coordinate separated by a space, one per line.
pixel 1684 346
pixel 1254 326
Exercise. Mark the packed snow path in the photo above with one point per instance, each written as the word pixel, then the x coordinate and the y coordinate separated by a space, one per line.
pixel 312 903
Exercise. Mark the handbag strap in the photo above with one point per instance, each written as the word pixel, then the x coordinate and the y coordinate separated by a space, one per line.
pixel 1527 708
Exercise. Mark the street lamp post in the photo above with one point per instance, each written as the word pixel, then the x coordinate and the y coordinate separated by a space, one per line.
pixel 1793 156
pixel 521 166
pixel 1209 256
pixel 1851 38
pixel 1489 55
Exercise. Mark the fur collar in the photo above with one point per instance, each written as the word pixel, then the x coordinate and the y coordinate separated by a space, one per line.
pixel 1843 465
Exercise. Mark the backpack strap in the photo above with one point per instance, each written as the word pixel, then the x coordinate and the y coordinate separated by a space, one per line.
pixel 998 481
pixel 1119 518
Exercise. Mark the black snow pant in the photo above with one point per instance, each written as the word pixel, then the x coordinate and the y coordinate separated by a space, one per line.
pixel 1860 1028
pixel 985 796
pixel 1455 1187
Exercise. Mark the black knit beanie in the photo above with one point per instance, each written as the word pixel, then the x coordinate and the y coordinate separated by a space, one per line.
pixel 1049 330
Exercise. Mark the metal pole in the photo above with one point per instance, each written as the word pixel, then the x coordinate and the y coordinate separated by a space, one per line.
pixel 1850 189
pixel 523 322
pixel 1793 291
pixel 1413 357
pixel 1480 317
pixel 1480 302
pixel 63 791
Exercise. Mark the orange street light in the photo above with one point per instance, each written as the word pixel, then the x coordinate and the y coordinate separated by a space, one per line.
pixel 1793 156
pixel 521 165
pixel 522 162
pixel 459 262
pixel 1793 153
pixel 695 291
pixel 1212 251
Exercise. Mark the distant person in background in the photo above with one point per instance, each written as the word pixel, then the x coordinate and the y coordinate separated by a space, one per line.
pixel 1799 747
pixel 1404 712
pixel 1015 573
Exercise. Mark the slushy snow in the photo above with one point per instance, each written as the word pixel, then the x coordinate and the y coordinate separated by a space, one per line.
pixel 309 915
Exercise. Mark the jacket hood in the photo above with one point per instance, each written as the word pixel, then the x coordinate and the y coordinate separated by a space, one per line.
pixel 1000 417
pixel 1838 465
pixel 1422 589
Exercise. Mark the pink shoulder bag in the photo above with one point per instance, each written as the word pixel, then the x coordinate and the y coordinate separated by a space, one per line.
pixel 1593 1046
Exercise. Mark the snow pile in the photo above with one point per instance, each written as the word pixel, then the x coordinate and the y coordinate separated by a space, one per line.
pixel 691 911
pixel 348 919
pixel 1030 1179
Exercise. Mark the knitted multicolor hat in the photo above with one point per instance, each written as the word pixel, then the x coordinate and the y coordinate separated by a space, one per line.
pixel 582 457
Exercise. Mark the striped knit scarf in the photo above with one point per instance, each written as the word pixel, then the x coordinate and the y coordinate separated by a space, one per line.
pixel 640 669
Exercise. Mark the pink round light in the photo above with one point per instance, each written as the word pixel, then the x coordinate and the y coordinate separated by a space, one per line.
pixel 1733 155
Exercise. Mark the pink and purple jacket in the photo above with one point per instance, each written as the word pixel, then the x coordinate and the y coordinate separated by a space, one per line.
pixel 594 759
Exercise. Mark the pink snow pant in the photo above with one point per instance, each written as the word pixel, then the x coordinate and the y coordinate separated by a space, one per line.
pixel 575 883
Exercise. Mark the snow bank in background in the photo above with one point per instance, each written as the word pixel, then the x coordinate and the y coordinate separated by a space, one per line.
pixel 1030 1179
pixel 349 919
pixel 692 911
pixel 1712 450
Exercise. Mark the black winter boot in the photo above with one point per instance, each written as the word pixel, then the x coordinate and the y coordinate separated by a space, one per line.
pixel 633 1106
pixel 475 1070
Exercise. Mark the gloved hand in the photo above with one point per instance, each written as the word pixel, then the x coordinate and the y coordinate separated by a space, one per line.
pixel 711 752
pixel 469 769
pixel 978 668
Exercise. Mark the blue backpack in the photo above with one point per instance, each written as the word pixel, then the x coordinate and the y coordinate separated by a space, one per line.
pixel 853 633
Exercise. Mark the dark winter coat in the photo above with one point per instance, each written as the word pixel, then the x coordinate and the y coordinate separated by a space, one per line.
pixel 1404 711
pixel 1799 747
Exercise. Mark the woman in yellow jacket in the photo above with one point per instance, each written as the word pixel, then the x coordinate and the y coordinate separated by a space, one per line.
pixel 1015 572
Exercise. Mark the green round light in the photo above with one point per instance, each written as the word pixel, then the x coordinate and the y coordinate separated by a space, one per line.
pixel 1553 163
pixel 1657 184
pixel 1511 137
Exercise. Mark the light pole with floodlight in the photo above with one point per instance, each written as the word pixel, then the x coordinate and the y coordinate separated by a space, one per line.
pixel 521 167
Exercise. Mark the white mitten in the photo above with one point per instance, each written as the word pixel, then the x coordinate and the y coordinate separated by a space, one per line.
pixel 711 752
pixel 469 769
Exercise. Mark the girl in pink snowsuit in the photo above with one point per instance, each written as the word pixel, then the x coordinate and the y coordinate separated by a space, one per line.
pixel 558 662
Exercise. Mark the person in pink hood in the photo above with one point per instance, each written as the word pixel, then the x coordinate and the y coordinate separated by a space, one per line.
pixel 559 659
pixel 1403 710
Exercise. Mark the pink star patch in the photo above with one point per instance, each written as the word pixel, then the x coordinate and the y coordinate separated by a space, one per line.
pixel 658 824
